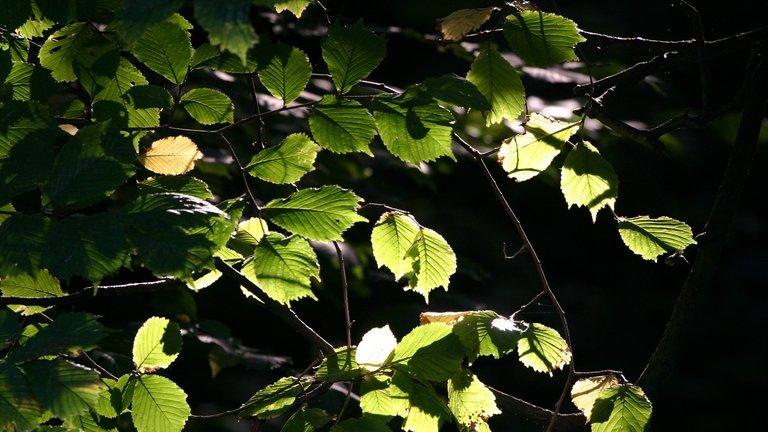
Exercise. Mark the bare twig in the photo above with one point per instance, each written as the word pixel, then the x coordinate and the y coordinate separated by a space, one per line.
pixel 241 168
pixel 87 293
pixel 344 294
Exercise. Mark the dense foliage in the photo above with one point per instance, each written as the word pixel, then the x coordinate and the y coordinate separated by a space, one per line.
pixel 118 155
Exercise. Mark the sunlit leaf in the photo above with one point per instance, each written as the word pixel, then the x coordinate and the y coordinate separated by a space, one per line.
pixel 541 38
pixel 208 106
pixel 650 237
pixel 172 155
pixel 156 345
pixel 351 53
pixel 543 349
pixel 375 348
pixel 500 83
pixel 456 25
pixel 158 405
pixel 588 180
pixel 287 73
pixel 342 125
pixel 287 162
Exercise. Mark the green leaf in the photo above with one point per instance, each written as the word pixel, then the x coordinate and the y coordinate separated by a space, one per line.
pixel 274 399
pixel 27 82
pixel 382 396
pixel 586 391
pixel 148 96
pixel 414 131
pixel 86 422
pixel 208 106
pixel 156 345
pixel 136 16
pixel 296 7
pixel 588 180
pixel 340 366
pixel 63 388
pixel 542 39
pixel 209 56
pixel 351 53
pixel 110 402
pixel 623 408
pixel 18 408
pixel 525 156
pixel 471 402
pixel 287 73
pixel 283 268
pixel 35 285
pixel 486 333
pixel 318 214
pixel 175 234
pixel 431 351
pixel 362 424
pixel 650 237
pixel 116 101
pixel 543 349
pixel 500 83
pixel 391 239
pixel 69 333
pixel 22 238
pixel 287 162
pixel 342 125
pixel 228 25
pixel 27 165
pixel 158 405
pixel 306 420
pixel 181 184
pixel 22 120
pixel 166 49
pixel 422 409
pixel 62 50
pixel 90 166
pixel 92 246
pixel 455 90
pixel 433 263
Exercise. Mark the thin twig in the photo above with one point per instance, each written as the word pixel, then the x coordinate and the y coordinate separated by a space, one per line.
pixel 344 295
pixel 87 293
pixel 243 174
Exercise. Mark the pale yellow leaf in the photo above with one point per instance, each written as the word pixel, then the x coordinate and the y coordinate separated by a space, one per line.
pixel 171 156
pixel 68 128
pixel 586 391
pixel 443 317
pixel 456 25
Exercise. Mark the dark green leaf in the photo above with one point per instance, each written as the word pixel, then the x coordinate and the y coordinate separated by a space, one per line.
pixel 351 53
pixel 228 25
pixel 22 238
pixel 342 125
pixel 68 333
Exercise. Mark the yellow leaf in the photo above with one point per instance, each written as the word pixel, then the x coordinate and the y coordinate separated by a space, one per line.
pixel 443 317
pixel 172 156
pixel 456 25
pixel 586 391
pixel 68 128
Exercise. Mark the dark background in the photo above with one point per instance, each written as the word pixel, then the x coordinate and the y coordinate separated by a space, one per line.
pixel 617 304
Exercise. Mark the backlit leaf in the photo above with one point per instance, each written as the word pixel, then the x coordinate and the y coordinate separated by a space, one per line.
pixel 228 24
pixel 391 239
pixel 342 125
pixel 414 131
pixel 525 156
pixel 287 73
pixel 471 402
pixel 650 237
pixel 156 345
pixel 63 388
pixel 351 53
pixel 19 410
pixel 431 350
pixel 586 391
pixel 287 162
pixel 623 408
pixel 433 263
pixel 208 106
pixel 541 38
pixel 318 214
pixel 172 155
pixel 283 267
pixel 158 405
pixel 500 83
pixel 588 180
pixel 166 49
pixel 543 349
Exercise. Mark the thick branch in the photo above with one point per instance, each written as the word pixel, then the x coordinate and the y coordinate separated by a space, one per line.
pixel 87 293
pixel 281 311
pixel 712 241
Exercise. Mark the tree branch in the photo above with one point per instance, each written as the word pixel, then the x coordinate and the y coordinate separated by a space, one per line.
pixel 713 240
pixel 281 311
